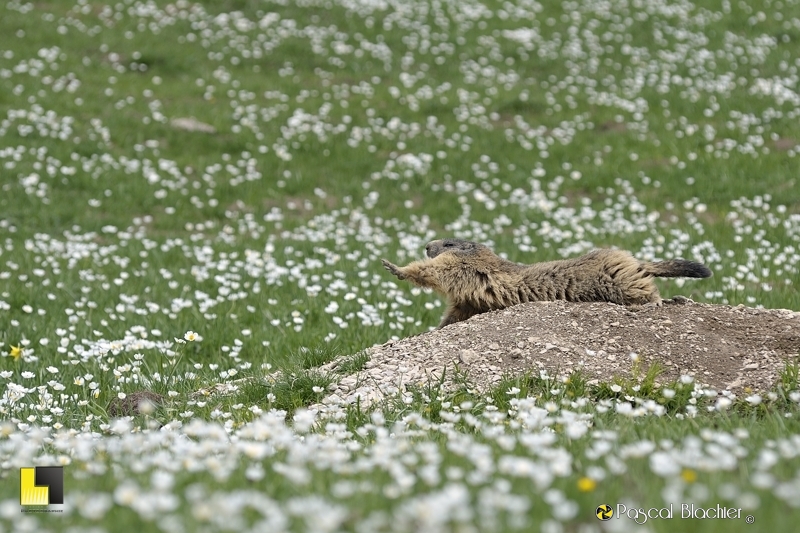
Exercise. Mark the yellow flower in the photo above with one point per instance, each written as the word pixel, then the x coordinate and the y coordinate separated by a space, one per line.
pixel 586 484
pixel 688 475
pixel 16 352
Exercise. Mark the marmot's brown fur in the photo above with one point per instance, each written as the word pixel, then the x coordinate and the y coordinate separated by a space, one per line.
pixel 475 280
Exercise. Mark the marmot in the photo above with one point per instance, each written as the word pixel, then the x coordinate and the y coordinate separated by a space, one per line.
pixel 475 280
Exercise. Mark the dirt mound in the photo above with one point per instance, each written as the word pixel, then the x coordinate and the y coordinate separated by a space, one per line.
pixel 721 346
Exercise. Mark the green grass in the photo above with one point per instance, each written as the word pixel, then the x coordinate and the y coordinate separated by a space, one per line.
pixel 669 130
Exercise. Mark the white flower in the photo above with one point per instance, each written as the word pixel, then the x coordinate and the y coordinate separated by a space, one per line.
pixel 190 336
pixel 146 407
pixel 663 464
pixel 162 481
pixel 126 493
pixel 304 420
pixel 624 408
pixel 723 403
pixel 755 399
pixel 254 472
pixel 94 506
pixel 121 426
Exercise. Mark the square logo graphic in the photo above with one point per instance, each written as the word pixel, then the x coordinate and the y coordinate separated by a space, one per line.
pixel 41 485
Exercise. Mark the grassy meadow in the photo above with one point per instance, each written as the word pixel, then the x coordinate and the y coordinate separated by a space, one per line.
pixel 139 254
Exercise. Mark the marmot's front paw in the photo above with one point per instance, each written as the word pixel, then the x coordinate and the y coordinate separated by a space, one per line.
pixel 394 269
pixel 679 300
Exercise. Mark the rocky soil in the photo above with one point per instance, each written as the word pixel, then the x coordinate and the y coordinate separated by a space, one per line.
pixel 724 347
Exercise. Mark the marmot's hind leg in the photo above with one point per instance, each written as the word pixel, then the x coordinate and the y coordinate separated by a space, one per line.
pixel 457 313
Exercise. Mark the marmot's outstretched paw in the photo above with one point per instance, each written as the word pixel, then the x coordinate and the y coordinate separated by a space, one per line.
pixel 679 300
pixel 394 269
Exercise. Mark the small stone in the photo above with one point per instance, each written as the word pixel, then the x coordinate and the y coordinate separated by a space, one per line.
pixel 348 383
pixel 467 356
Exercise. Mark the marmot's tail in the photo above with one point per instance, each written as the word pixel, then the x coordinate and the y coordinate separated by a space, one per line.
pixel 678 268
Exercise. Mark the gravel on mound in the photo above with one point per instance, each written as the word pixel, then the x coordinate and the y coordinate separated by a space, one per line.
pixel 721 346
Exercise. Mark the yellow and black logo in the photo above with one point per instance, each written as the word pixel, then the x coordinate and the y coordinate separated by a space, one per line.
pixel 42 485
pixel 604 512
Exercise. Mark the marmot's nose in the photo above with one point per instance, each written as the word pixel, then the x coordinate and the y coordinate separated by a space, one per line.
pixel 431 249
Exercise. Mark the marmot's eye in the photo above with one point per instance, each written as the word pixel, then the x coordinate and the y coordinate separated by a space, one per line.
pixel 448 245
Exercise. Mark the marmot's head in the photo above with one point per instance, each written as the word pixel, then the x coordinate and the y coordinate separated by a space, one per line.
pixel 455 246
